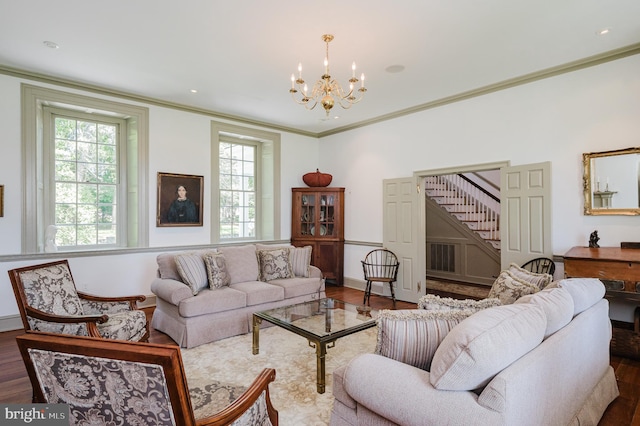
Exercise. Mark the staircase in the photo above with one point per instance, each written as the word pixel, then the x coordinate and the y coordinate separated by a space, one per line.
pixel 468 203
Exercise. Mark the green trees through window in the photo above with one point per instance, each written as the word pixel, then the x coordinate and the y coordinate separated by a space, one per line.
pixel 237 190
pixel 85 180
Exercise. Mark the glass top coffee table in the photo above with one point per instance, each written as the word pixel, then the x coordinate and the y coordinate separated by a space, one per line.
pixel 321 322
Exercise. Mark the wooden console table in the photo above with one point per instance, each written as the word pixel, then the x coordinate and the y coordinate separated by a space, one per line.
pixel 619 270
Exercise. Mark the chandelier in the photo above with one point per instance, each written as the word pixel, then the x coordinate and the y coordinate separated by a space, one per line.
pixel 326 91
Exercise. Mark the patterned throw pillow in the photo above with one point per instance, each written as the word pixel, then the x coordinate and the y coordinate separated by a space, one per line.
pixel 217 273
pixel 192 271
pixel 411 336
pixel 274 264
pixel 434 302
pixel 540 280
pixel 300 258
pixel 508 289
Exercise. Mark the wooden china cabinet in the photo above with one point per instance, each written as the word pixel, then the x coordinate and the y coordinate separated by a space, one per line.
pixel 317 220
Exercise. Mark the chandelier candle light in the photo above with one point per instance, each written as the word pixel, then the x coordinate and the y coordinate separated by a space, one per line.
pixel 326 91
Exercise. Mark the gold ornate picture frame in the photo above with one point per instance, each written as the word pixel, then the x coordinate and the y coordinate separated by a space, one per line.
pixel 180 200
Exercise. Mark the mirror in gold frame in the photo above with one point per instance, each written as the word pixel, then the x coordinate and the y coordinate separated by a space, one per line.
pixel 612 182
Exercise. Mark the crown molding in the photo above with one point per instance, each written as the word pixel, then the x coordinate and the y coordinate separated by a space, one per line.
pixel 58 81
pixel 590 61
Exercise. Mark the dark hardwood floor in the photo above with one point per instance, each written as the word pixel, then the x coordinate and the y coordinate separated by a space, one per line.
pixel 624 410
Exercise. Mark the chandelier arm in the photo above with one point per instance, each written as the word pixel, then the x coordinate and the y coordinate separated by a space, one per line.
pixel 326 91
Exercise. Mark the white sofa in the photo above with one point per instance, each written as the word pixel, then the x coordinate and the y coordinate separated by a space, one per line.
pixel 193 313
pixel 543 360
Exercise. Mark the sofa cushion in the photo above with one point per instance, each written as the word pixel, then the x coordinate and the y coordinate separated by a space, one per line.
pixel 508 289
pixel 585 292
pixel 274 264
pixel 300 258
pixel 434 302
pixel 192 271
pixel 484 344
pixel 294 287
pixel 210 301
pixel 242 263
pixel 217 274
pixel 411 336
pixel 167 268
pixel 557 305
pixel 540 280
pixel 258 292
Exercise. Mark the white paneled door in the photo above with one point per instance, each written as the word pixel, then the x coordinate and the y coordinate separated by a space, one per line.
pixel 400 234
pixel 525 216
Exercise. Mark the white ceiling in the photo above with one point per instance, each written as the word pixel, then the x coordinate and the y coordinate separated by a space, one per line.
pixel 239 55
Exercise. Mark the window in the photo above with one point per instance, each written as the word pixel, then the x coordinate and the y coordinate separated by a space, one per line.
pixel 85 171
pixel 84 193
pixel 245 192
pixel 238 190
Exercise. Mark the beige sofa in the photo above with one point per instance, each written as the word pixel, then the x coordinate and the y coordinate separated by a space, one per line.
pixel 193 312
pixel 543 360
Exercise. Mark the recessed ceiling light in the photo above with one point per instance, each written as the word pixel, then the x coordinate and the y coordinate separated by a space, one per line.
pixel 394 68
pixel 603 31
pixel 193 91
pixel 51 44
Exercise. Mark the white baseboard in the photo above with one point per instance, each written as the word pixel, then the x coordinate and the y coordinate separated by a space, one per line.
pixel 14 322
pixel 376 288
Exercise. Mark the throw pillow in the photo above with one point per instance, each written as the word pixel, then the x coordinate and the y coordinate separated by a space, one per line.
pixel 433 302
pixel 192 271
pixel 509 289
pixel 217 273
pixel 412 336
pixel 242 262
pixel 585 292
pixel 274 264
pixel 300 258
pixel 540 280
pixel 557 305
pixel 485 344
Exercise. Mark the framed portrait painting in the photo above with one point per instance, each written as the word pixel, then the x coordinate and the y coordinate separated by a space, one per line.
pixel 179 200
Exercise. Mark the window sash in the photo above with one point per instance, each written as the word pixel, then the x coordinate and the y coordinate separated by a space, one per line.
pixel 239 189
pixel 53 182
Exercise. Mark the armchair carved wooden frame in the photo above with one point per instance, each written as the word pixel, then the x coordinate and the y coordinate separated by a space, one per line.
pixel 49 301
pixel 120 382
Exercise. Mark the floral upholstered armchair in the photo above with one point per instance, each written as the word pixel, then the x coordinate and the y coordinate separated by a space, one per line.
pixel 49 301
pixel 129 383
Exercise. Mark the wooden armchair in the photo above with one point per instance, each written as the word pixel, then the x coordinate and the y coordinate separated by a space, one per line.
pixel 49 301
pixel 118 382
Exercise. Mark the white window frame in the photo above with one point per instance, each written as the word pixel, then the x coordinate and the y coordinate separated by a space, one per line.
pixel 257 146
pixel 268 215
pixel 134 156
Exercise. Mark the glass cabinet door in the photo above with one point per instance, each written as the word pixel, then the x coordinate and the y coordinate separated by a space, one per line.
pixel 326 217
pixel 308 212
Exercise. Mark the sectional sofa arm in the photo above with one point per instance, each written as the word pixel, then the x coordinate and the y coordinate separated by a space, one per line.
pixel 404 395
pixel 314 272
pixel 170 291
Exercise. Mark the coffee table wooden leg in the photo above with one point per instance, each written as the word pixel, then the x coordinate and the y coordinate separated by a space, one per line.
pixel 256 334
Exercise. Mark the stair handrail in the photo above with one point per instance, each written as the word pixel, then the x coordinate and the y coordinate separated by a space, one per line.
pixel 472 200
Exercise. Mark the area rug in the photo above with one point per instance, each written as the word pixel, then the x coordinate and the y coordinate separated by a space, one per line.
pixel 218 372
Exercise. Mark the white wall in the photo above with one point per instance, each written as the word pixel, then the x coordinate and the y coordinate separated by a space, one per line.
pixel 556 120
pixel 179 142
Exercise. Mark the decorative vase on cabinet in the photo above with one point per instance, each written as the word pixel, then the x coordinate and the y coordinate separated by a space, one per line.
pixel 317 220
